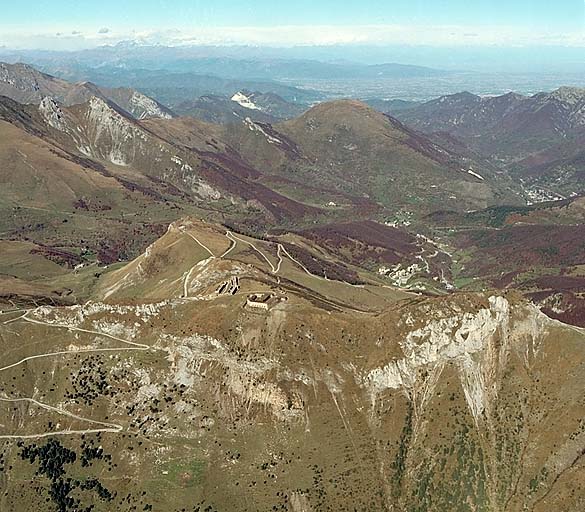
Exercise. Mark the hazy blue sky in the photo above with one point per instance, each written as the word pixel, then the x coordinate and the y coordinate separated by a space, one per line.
pixel 78 23
pixel 545 13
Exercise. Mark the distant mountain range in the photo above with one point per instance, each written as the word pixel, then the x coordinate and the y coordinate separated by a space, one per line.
pixel 344 147
pixel 243 64
pixel 540 138
pixel 262 163
pixel 558 114
pixel 173 88
pixel 278 69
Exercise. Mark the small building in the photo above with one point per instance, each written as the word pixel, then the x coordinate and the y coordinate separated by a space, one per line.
pixel 261 301
pixel 229 287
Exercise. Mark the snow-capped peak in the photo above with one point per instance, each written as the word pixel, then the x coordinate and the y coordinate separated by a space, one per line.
pixel 245 101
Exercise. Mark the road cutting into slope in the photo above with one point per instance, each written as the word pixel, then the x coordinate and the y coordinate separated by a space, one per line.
pixel 306 270
pixel 233 238
pixel 106 427
pixel 199 242
pixel 188 275
pixel 279 250
pixel 233 244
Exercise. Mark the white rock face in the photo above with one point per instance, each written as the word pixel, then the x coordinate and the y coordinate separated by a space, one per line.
pixel 206 191
pixel 142 107
pixel 464 339
pixel 6 75
pixel 61 120
pixel 22 83
pixel 191 356
pixel 569 95
pixel 255 127
pixel 112 130
pixel 473 173
pixel 52 114
pixel 105 133
pixel 400 274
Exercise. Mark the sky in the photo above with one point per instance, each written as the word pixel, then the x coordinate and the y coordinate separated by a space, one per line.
pixel 75 24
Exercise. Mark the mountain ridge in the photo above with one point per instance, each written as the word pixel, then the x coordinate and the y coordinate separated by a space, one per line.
pixel 539 137
pixel 25 84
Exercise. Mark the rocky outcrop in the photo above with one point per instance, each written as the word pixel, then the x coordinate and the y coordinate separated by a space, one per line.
pixel 52 113
pixel 477 344
pixel 142 107
pixel 113 137
pixel 25 84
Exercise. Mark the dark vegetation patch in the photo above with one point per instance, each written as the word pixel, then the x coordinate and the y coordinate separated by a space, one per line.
pixel 399 463
pixel 52 459
pixel 17 114
pixel 126 244
pixel 494 216
pixel 232 161
pixel 59 256
pixel 89 382
pixel 287 145
pixel 561 283
pixel 365 240
pixel 320 267
pixel 169 188
pixel 423 145
pixel 528 246
pixel 505 280
pixel 280 207
pixel 24 301
pixel 566 306
pixel 497 215
pixel 88 205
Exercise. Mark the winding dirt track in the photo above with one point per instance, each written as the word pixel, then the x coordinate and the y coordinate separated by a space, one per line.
pixel 235 239
pixel 280 250
pixel 113 427
pixel 104 426
pixel 188 275
pixel 200 243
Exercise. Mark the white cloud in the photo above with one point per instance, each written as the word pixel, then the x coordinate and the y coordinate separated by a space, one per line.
pixel 435 35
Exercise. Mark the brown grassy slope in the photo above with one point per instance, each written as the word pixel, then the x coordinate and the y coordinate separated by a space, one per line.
pixel 237 410
pixel 345 146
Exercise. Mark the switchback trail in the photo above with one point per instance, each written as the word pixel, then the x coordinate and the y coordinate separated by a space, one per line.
pixel 103 426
